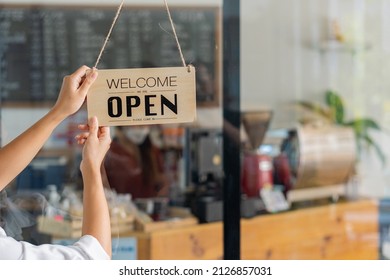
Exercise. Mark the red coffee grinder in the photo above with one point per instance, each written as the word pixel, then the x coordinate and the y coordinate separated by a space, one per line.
pixel 257 168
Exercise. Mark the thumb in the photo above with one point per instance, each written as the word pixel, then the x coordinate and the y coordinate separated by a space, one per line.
pixel 93 126
pixel 90 78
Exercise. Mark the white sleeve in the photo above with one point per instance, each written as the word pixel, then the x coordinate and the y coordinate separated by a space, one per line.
pixel 86 248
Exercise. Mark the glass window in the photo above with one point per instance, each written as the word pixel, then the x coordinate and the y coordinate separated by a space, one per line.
pixel 157 177
pixel 310 70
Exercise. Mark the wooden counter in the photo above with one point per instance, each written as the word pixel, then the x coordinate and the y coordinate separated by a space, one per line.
pixel 345 230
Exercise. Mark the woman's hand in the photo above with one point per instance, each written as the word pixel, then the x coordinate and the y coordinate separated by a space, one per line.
pixel 96 217
pixel 96 144
pixel 74 91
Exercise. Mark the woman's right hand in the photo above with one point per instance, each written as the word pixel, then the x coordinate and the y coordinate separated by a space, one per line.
pixel 96 144
pixel 74 91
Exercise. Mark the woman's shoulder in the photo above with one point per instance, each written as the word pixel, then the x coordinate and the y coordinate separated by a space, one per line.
pixel 2 232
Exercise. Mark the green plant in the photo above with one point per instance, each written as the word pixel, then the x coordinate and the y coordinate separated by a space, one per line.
pixel 334 112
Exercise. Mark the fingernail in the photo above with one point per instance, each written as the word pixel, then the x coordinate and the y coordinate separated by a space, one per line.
pixel 93 74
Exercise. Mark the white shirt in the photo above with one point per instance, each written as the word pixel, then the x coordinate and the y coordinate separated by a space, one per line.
pixel 86 248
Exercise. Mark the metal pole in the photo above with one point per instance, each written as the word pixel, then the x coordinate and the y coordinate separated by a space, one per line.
pixel 231 129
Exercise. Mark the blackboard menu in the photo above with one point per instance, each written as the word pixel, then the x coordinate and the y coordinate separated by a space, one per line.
pixel 39 45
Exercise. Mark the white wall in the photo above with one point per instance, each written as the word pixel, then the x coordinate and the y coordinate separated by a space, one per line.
pixel 281 60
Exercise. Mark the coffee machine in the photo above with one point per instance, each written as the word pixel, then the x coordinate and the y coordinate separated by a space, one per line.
pixel 204 172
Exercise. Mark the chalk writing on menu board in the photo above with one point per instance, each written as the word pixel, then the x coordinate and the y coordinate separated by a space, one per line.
pixel 39 45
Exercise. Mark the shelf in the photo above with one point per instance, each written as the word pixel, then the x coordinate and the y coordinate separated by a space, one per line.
pixel 336 46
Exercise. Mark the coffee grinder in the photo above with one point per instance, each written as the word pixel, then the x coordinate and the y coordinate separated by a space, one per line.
pixel 256 167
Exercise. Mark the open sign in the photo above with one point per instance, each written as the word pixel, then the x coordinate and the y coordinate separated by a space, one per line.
pixel 143 96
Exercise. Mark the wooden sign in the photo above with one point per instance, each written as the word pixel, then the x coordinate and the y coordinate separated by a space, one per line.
pixel 143 96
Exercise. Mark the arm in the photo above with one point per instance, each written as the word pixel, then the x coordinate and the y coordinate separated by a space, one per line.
pixel 96 218
pixel 15 156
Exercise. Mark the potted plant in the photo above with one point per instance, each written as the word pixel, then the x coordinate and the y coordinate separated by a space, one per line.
pixel 334 112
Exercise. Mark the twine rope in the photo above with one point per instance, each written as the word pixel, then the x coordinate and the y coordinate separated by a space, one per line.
pixel 114 22
pixel 174 33
pixel 109 33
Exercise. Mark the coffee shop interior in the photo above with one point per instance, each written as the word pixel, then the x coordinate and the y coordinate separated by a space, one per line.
pixel 288 157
